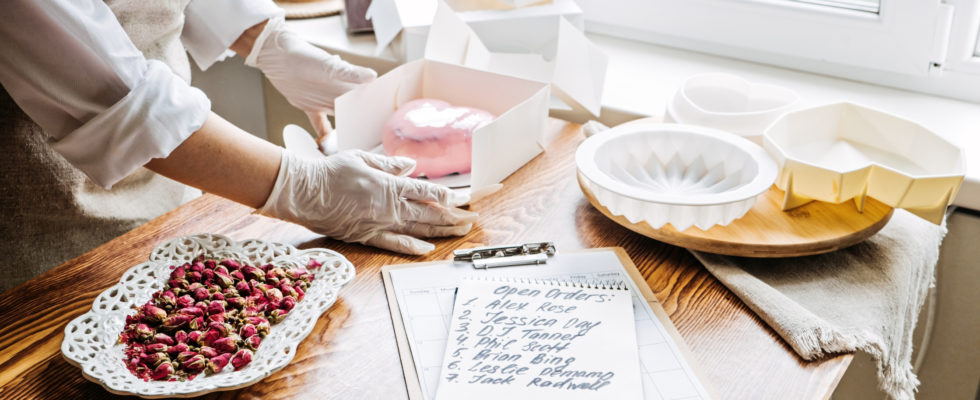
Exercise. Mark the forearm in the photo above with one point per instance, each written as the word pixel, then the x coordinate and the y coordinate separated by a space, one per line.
pixel 224 160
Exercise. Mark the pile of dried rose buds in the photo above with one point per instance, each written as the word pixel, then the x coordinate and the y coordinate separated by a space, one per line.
pixel 209 314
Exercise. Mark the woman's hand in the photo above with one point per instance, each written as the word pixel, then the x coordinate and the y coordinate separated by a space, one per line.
pixel 363 197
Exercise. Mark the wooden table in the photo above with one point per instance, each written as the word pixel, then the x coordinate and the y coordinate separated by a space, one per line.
pixel 351 353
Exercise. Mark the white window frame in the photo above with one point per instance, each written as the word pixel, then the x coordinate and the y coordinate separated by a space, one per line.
pixel 921 45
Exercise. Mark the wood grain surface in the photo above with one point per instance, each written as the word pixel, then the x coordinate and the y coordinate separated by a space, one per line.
pixel 768 231
pixel 351 353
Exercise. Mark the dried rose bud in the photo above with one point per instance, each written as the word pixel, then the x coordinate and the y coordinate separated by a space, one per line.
pixel 155 347
pixel 184 356
pixel 287 304
pixel 194 336
pixel 224 280
pixel 162 371
pixel 277 315
pixel 216 308
pixel 195 364
pixel 236 302
pixel 288 291
pixel 163 338
pixel 253 342
pixel 185 301
pixel 273 295
pixel 207 276
pixel 211 336
pixel 253 273
pixel 179 272
pixel 154 359
pixel 178 348
pixel 192 310
pixel 238 276
pixel 225 344
pixel 197 266
pixel 313 263
pixel 219 296
pixel 241 359
pixel 208 352
pixel 221 328
pixel 132 319
pixel 243 288
pixel 143 331
pixel 216 318
pixel 217 363
pixel 201 294
pixel 296 273
pixel 231 264
pixel 177 283
pixel 194 276
pixel 152 313
pixel 175 321
pixel 300 291
pixel 167 298
pixel 196 323
pixel 248 330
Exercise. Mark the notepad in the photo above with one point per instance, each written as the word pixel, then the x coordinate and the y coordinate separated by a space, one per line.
pixel 421 297
pixel 521 339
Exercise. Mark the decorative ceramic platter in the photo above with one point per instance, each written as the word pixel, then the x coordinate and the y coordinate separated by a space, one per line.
pixel 91 339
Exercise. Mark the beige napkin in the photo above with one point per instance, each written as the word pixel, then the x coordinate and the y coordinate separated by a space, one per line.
pixel 866 297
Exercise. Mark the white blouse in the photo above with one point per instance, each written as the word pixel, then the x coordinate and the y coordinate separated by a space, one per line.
pixel 108 110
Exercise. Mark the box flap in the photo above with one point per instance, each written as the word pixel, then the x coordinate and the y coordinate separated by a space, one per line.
pixel 567 59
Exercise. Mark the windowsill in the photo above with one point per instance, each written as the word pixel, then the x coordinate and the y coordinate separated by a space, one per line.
pixel 641 77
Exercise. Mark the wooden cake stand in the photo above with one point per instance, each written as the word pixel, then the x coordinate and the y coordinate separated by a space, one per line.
pixel 768 231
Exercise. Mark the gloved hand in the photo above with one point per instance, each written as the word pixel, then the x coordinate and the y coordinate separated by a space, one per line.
pixel 307 76
pixel 364 197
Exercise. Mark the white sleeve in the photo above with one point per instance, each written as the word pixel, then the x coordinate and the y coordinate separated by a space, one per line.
pixel 70 66
pixel 211 26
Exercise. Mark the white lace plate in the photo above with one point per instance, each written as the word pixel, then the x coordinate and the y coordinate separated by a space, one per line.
pixel 90 340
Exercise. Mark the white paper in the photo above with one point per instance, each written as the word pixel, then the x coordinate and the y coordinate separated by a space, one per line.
pixel 549 50
pixel 425 296
pixel 517 340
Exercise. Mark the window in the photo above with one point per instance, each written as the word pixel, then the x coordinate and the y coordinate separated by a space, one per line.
pixel 923 45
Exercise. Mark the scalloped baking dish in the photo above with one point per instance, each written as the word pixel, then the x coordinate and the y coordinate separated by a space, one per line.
pixel 843 151
pixel 684 175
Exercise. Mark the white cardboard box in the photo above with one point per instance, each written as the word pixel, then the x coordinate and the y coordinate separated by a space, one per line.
pixel 499 148
pixel 404 24
pixel 548 49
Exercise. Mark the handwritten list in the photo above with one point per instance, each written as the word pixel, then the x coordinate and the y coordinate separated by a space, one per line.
pixel 516 340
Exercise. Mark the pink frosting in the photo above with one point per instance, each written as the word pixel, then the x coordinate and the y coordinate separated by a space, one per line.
pixel 436 134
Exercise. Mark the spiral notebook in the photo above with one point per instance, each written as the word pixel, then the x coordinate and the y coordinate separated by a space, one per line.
pixel 530 339
pixel 422 296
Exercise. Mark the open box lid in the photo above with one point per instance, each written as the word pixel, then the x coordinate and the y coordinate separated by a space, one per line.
pixel 391 17
pixel 554 52
pixel 499 148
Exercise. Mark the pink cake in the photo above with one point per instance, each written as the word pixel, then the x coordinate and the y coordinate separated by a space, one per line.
pixel 436 134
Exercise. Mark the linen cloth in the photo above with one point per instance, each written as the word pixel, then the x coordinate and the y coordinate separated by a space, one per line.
pixel 866 297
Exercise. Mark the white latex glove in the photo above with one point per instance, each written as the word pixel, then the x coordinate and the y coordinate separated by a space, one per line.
pixel 356 196
pixel 307 76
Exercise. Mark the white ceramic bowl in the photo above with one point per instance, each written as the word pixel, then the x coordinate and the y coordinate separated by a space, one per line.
pixel 843 151
pixel 729 103
pixel 679 174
